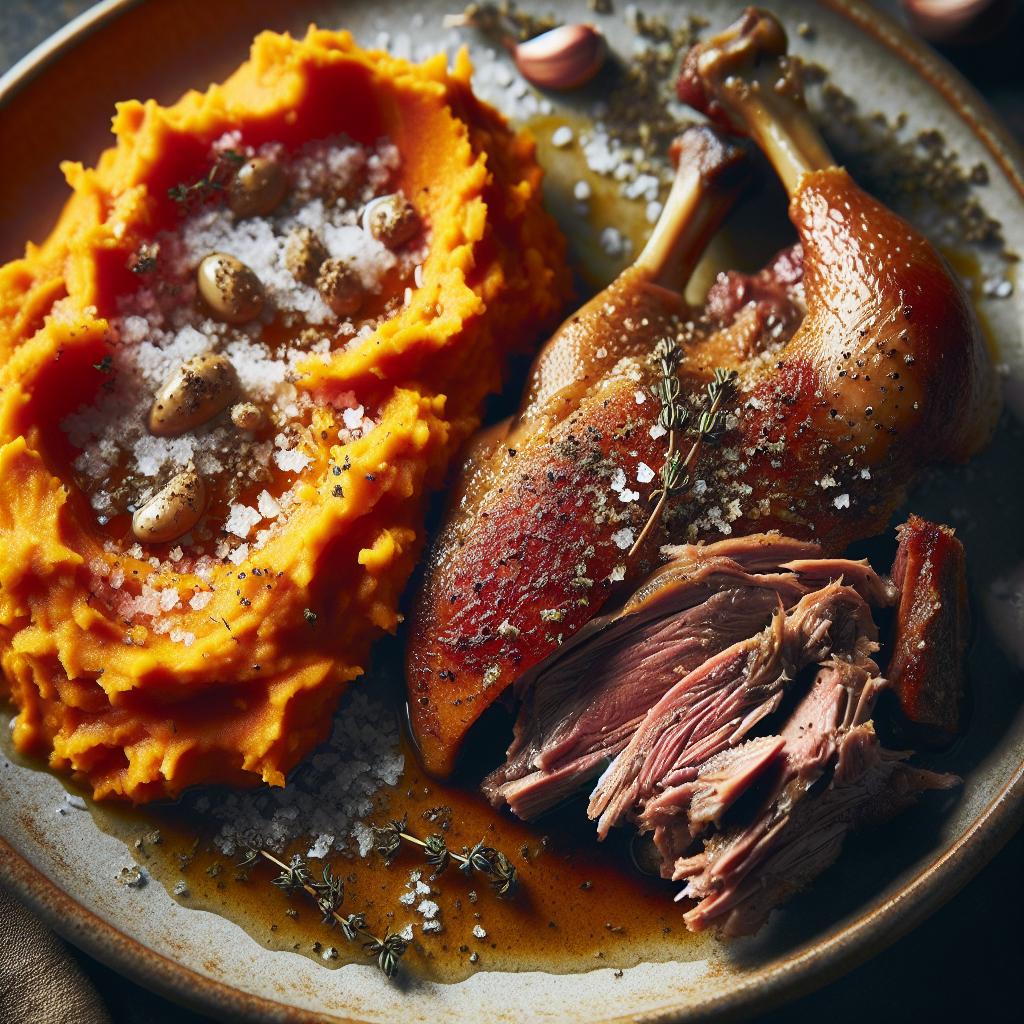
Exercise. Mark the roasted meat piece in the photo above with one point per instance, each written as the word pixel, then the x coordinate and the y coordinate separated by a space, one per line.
pixel 582 706
pixel 695 705
pixel 858 363
pixel 525 483
pixel 745 873
pixel 926 669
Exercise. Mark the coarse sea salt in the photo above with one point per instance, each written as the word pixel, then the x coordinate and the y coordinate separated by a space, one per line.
pixel 429 909
pixel 267 505
pixel 328 796
pixel 236 556
pixel 322 846
pixel 623 538
pixel 613 242
pixel 291 460
pixel 562 136
pixel 353 418
pixel 241 519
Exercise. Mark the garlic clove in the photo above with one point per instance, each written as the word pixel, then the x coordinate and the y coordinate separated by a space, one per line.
pixel 563 58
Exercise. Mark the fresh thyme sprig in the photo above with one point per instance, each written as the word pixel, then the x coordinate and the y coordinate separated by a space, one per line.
pixel 216 180
pixel 491 863
pixel 675 418
pixel 329 893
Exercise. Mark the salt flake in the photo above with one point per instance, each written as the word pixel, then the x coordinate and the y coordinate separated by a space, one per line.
pixel 623 538
pixel 429 909
pixel 353 417
pixel 561 136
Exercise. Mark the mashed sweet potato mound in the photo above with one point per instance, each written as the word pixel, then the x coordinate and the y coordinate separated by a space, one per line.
pixel 136 713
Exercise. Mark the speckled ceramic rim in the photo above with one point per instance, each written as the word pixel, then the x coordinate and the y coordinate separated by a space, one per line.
pixel 802 972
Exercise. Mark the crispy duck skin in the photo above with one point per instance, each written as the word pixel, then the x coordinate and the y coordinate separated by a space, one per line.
pixel 524 481
pixel 926 670
pixel 885 373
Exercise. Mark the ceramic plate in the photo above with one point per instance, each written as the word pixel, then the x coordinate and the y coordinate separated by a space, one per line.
pixel 56 104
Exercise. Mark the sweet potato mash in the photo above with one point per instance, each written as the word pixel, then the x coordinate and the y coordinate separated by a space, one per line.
pixel 149 662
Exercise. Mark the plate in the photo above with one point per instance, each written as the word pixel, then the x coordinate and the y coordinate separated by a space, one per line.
pixel 56 104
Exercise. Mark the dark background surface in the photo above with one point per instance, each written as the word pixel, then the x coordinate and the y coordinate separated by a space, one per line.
pixel 966 962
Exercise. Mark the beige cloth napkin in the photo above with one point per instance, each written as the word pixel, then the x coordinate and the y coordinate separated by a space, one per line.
pixel 40 983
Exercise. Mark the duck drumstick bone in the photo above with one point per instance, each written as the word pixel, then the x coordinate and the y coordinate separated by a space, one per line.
pixel 889 333
pixel 710 172
pixel 744 79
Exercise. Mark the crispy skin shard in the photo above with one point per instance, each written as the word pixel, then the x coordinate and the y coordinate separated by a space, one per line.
pixel 932 628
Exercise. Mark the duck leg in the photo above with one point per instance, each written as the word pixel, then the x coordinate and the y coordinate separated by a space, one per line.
pixel 889 336
pixel 502 582
pixel 833 429
pixel 885 374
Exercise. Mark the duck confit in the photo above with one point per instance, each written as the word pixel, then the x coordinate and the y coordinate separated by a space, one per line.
pixel 804 399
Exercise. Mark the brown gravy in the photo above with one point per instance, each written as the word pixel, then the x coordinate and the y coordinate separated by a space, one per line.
pixel 578 905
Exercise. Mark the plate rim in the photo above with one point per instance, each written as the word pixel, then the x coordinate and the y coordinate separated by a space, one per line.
pixel 805 970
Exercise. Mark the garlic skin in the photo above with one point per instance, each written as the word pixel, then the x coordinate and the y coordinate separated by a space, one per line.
pixel 563 58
